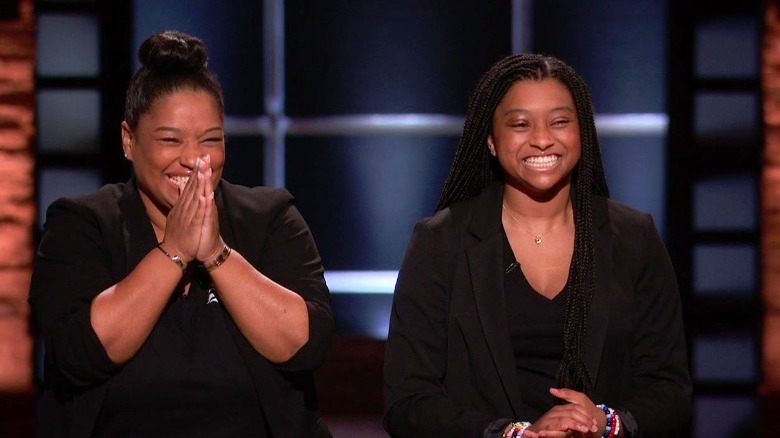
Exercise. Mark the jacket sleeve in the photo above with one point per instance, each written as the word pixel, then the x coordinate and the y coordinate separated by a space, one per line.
pixel 72 266
pixel 290 258
pixel 660 398
pixel 416 399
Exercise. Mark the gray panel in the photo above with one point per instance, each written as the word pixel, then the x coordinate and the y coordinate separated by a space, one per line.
pixel 724 358
pixel 727 119
pixel 728 203
pixel 724 269
pixel 68 45
pixel 69 121
pixel 727 47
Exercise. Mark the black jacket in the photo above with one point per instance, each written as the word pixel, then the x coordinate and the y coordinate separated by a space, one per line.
pixel 449 365
pixel 91 242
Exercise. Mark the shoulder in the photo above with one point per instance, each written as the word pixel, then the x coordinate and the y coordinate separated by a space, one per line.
pixel 267 196
pixel 477 208
pixel 633 232
pixel 103 202
pixel 621 217
pixel 261 200
pixel 454 218
pixel 106 195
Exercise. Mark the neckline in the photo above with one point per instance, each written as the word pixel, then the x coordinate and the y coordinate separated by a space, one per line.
pixel 510 259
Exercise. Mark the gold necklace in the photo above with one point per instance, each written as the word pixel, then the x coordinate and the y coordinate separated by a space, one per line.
pixel 537 236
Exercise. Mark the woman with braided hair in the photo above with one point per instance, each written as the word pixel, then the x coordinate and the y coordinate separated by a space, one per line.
pixel 530 304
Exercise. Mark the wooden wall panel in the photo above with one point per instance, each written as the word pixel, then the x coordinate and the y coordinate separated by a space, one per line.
pixel 17 196
pixel 770 223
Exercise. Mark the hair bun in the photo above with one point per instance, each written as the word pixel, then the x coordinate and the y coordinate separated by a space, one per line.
pixel 172 51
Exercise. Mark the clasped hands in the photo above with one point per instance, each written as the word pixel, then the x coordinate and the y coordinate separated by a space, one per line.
pixel 580 417
pixel 192 225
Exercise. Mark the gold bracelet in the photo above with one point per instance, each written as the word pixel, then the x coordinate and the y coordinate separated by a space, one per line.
pixel 218 260
pixel 174 258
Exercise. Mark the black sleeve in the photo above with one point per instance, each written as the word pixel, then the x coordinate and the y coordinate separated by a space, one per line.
pixel 416 400
pixel 72 266
pixel 660 401
pixel 290 258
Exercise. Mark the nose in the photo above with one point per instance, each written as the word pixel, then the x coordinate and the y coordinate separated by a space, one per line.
pixel 189 154
pixel 541 137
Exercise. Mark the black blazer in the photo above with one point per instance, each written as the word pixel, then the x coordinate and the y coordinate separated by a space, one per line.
pixel 449 365
pixel 91 242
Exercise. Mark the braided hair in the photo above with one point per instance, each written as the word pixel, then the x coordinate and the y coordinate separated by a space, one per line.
pixel 474 168
pixel 171 61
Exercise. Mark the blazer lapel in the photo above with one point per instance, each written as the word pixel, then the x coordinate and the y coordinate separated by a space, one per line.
pixel 485 260
pixel 137 231
pixel 598 317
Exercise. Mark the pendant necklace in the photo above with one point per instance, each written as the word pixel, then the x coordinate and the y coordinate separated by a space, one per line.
pixel 537 236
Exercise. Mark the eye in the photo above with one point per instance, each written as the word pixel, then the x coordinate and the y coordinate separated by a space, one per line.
pixel 561 122
pixel 519 124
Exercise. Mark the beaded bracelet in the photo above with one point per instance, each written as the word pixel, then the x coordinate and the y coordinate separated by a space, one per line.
pixel 515 430
pixel 613 422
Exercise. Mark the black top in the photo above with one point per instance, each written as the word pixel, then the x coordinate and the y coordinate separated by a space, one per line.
pixel 536 327
pixel 200 385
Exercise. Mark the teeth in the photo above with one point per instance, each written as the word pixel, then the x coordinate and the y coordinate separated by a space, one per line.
pixel 179 179
pixel 542 161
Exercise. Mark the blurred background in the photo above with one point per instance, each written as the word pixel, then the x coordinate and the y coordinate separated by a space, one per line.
pixel 356 107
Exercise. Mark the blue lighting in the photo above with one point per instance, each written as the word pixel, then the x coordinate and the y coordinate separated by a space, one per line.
pixel 361 282
pixel 362 301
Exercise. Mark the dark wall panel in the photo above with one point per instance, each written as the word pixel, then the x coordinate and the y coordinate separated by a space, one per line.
pixel 362 195
pixel 618 46
pixel 374 56
pixel 233 32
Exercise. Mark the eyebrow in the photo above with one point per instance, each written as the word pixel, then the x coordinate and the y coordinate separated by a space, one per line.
pixel 524 111
pixel 173 129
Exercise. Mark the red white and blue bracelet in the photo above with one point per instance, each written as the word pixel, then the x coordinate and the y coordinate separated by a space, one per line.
pixel 515 430
pixel 612 430
pixel 613 422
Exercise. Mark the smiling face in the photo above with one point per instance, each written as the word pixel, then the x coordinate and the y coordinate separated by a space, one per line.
pixel 536 136
pixel 179 128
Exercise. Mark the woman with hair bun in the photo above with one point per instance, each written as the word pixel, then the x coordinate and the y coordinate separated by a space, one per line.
pixel 530 304
pixel 178 304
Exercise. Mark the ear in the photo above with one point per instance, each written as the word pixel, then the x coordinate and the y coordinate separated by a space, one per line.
pixel 127 141
pixel 490 145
